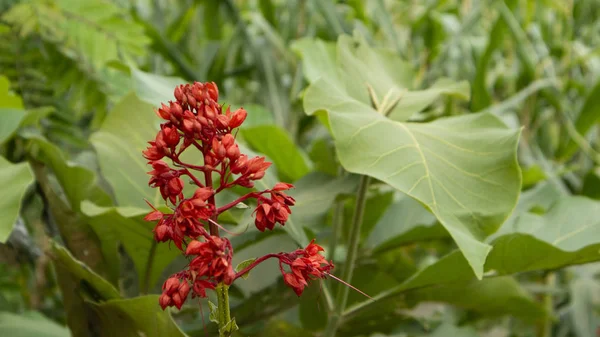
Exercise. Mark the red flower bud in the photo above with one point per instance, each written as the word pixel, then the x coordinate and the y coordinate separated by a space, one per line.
pixel 176 110
pixel 164 112
pixel 233 152
pixel 165 301
pixel 238 118
pixel 222 121
pixel 180 94
pixel 213 91
pixel 282 187
pixel 228 140
pixel 171 136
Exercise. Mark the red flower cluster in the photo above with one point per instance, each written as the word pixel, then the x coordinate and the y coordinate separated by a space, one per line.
pixel 305 264
pixel 273 210
pixel 196 121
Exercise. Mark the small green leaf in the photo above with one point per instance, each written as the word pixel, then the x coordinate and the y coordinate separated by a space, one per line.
pixel 230 327
pixel 14 179
pixel 243 265
pixel 213 315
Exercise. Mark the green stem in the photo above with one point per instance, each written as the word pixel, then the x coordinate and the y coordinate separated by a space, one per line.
pixel 336 223
pixel 546 328
pixel 148 270
pixel 223 314
pixel 348 270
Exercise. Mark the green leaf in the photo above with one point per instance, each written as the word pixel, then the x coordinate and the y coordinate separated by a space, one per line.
pixel 243 265
pixel 591 184
pixel 567 234
pixel 404 222
pixel 358 65
pixel 258 115
pixel 322 154
pixel 14 179
pixel 30 324
pixel 274 142
pixel 496 296
pixel 315 193
pixel 134 317
pixel 97 288
pixel 587 117
pixel 7 98
pixel 448 329
pixel 154 89
pixel 127 226
pixel 445 164
pixel 213 315
pixel 584 297
pixel 77 182
pixel 230 328
pixel 11 110
pixel 121 139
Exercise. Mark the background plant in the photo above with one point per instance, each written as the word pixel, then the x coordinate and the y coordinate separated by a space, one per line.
pixel 445 153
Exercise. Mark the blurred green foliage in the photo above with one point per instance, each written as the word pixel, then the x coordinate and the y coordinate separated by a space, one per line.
pixel 476 120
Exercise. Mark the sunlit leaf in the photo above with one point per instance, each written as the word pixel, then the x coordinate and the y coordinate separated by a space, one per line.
pixel 274 142
pixel 14 179
pixel 11 110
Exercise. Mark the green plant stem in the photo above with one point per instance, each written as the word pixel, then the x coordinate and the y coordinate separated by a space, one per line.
pixel 336 222
pixel 148 270
pixel 546 328
pixel 357 219
pixel 224 316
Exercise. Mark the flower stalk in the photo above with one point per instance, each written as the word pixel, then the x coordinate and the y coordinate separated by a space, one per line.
pixel 224 315
pixel 196 122
pixel 348 269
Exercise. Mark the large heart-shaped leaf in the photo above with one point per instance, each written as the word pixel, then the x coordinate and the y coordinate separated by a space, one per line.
pixel 446 165
pixel 14 179
pixel 353 64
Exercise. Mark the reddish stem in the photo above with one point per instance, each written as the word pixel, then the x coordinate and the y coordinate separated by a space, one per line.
pixel 214 230
pixel 189 174
pixel 254 264
pixel 237 201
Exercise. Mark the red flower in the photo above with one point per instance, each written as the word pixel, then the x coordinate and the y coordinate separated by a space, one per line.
pixel 175 292
pixel 167 179
pixel 213 258
pixel 305 264
pixel 196 207
pixel 276 209
pixel 238 117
